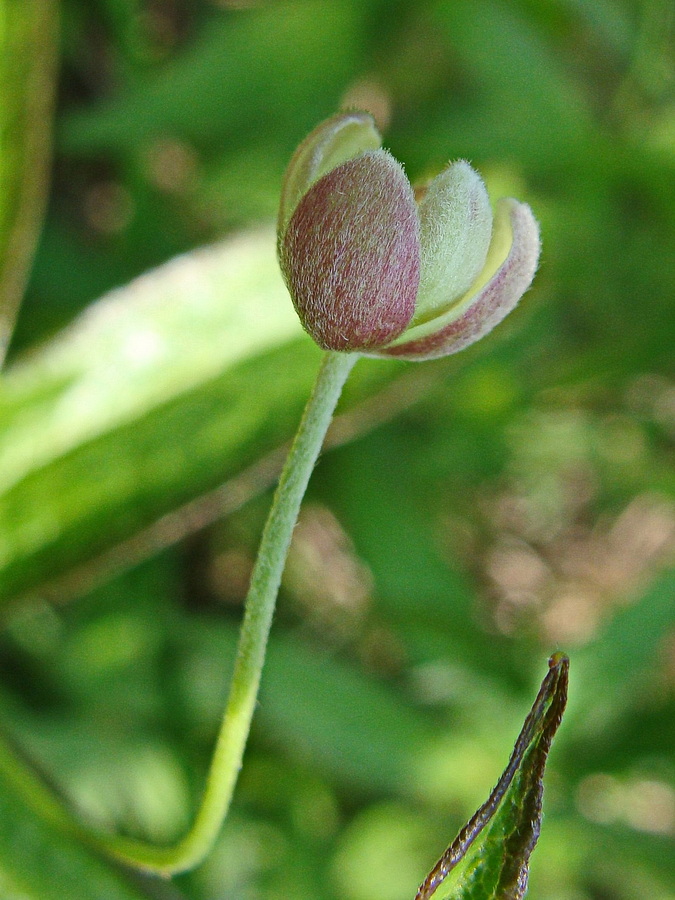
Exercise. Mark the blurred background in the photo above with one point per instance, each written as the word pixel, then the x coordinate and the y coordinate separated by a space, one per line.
pixel 471 516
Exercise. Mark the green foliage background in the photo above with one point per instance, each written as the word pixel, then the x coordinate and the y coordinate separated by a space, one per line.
pixel 473 514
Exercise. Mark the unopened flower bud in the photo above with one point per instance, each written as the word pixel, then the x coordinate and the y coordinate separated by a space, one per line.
pixel 371 270
pixel 351 254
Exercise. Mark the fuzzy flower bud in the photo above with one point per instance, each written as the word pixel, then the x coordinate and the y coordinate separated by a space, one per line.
pixel 371 270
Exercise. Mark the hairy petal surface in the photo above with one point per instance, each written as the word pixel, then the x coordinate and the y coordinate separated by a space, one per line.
pixel 456 225
pixel 351 254
pixel 508 272
pixel 333 142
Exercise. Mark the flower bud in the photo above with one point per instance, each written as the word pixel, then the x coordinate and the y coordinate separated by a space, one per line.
pixel 351 254
pixel 370 270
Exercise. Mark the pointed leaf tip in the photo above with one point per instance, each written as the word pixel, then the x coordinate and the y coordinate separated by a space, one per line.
pixel 489 858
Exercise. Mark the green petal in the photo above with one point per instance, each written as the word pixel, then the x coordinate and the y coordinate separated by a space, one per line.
pixel 456 224
pixel 508 272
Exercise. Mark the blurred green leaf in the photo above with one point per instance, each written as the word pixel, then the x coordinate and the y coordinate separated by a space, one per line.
pixel 40 858
pixel 616 672
pixel 504 98
pixel 318 706
pixel 143 403
pixel 390 507
pixel 294 55
pixel 489 859
pixel 341 717
pixel 28 38
pixel 161 391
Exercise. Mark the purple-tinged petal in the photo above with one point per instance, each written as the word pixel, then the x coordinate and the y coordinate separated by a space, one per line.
pixel 351 254
pixel 490 299
pixel 342 137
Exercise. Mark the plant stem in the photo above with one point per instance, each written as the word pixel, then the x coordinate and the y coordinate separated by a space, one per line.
pixel 259 609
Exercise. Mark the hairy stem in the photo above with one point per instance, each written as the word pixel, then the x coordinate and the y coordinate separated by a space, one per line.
pixel 259 609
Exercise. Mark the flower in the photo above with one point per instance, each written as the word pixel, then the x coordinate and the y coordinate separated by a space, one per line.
pixel 372 269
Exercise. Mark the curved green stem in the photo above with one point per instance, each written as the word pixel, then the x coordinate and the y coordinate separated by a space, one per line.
pixel 259 609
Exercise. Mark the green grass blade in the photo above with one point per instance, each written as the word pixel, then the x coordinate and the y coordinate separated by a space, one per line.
pixel 28 40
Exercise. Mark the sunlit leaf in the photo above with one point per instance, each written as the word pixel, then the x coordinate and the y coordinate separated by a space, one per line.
pixel 159 392
pixel 489 858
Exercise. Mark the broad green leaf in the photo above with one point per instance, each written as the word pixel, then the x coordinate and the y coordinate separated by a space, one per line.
pixel 159 392
pixel 28 38
pixel 489 859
